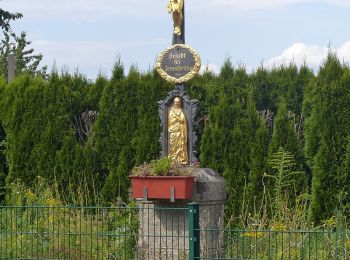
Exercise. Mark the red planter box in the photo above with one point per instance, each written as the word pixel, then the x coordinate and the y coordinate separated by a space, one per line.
pixel 162 187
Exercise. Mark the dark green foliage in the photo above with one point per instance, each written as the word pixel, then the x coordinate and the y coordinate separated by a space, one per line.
pixel 41 139
pixel 286 81
pixel 114 129
pixel 344 192
pixel 285 137
pixel 48 129
pixel 234 141
pixel 145 142
pixel 3 163
pixel 127 126
pixel 327 129
pixel 284 174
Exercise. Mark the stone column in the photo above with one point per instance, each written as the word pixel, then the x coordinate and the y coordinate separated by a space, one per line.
pixel 163 231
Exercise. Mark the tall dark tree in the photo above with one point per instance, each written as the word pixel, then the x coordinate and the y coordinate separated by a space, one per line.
pixel 327 129
pixel 235 140
pixel 114 130
pixel 284 136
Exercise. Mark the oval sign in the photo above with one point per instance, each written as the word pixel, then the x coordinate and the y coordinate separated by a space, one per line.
pixel 178 63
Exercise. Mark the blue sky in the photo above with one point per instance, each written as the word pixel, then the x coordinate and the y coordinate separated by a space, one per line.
pixel 90 34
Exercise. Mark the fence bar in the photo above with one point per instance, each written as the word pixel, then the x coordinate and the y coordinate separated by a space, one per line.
pixel 193 230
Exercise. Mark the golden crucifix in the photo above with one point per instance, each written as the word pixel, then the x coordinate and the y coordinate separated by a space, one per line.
pixel 176 7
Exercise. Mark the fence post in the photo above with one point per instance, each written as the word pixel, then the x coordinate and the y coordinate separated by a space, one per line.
pixel 193 230
pixel 11 63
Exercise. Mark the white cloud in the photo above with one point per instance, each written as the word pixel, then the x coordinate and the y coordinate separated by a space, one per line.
pixel 312 55
pixel 344 51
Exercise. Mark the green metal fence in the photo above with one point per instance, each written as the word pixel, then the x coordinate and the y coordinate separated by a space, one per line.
pixel 274 244
pixel 43 232
pixel 150 232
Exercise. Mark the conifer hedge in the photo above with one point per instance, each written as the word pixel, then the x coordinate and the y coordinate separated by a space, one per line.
pixel 84 137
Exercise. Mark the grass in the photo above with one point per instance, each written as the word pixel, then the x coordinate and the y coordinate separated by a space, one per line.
pixel 56 232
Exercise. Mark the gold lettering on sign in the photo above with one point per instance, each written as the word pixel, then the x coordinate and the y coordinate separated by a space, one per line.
pixel 177 56
pixel 178 69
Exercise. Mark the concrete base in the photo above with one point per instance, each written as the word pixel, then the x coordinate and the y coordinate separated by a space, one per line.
pixel 163 231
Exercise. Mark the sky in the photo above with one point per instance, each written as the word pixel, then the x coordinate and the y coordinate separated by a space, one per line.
pixel 90 35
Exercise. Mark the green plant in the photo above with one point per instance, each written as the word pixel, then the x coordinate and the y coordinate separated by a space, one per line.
pixel 283 163
pixel 162 167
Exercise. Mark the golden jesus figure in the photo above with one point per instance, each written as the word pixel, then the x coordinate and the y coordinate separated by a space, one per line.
pixel 175 7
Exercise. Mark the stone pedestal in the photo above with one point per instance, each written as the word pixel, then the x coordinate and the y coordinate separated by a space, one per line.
pixel 163 231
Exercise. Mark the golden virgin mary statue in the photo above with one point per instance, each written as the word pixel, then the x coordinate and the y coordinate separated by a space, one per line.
pixel 177 130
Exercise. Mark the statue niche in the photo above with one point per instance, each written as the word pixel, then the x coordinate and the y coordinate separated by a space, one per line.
pixel 178 138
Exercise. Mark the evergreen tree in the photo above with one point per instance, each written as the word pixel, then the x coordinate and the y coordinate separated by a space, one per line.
pixel 327 128
pixel 38 120
pixel 344 192
pixel 234 141
pixel 283 164
pixel 285 81
pixel 146 138
pixel 285 136
pixel 259 139
pixel 114 130
pixel 263 86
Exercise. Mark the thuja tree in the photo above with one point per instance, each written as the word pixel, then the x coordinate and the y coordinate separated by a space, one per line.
pixel 38 118
pixel 287 81
pixel 205 89
pixel 78 166
pixel 283 164
pixel 220 121
pixel 327 127
pixel 235 139
pixel 114 130
pixel 25 125
pixel 344 192
pixel 145 140
pixel 128 127
pixel 3 163
pixel 285 136
pixel 257 138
